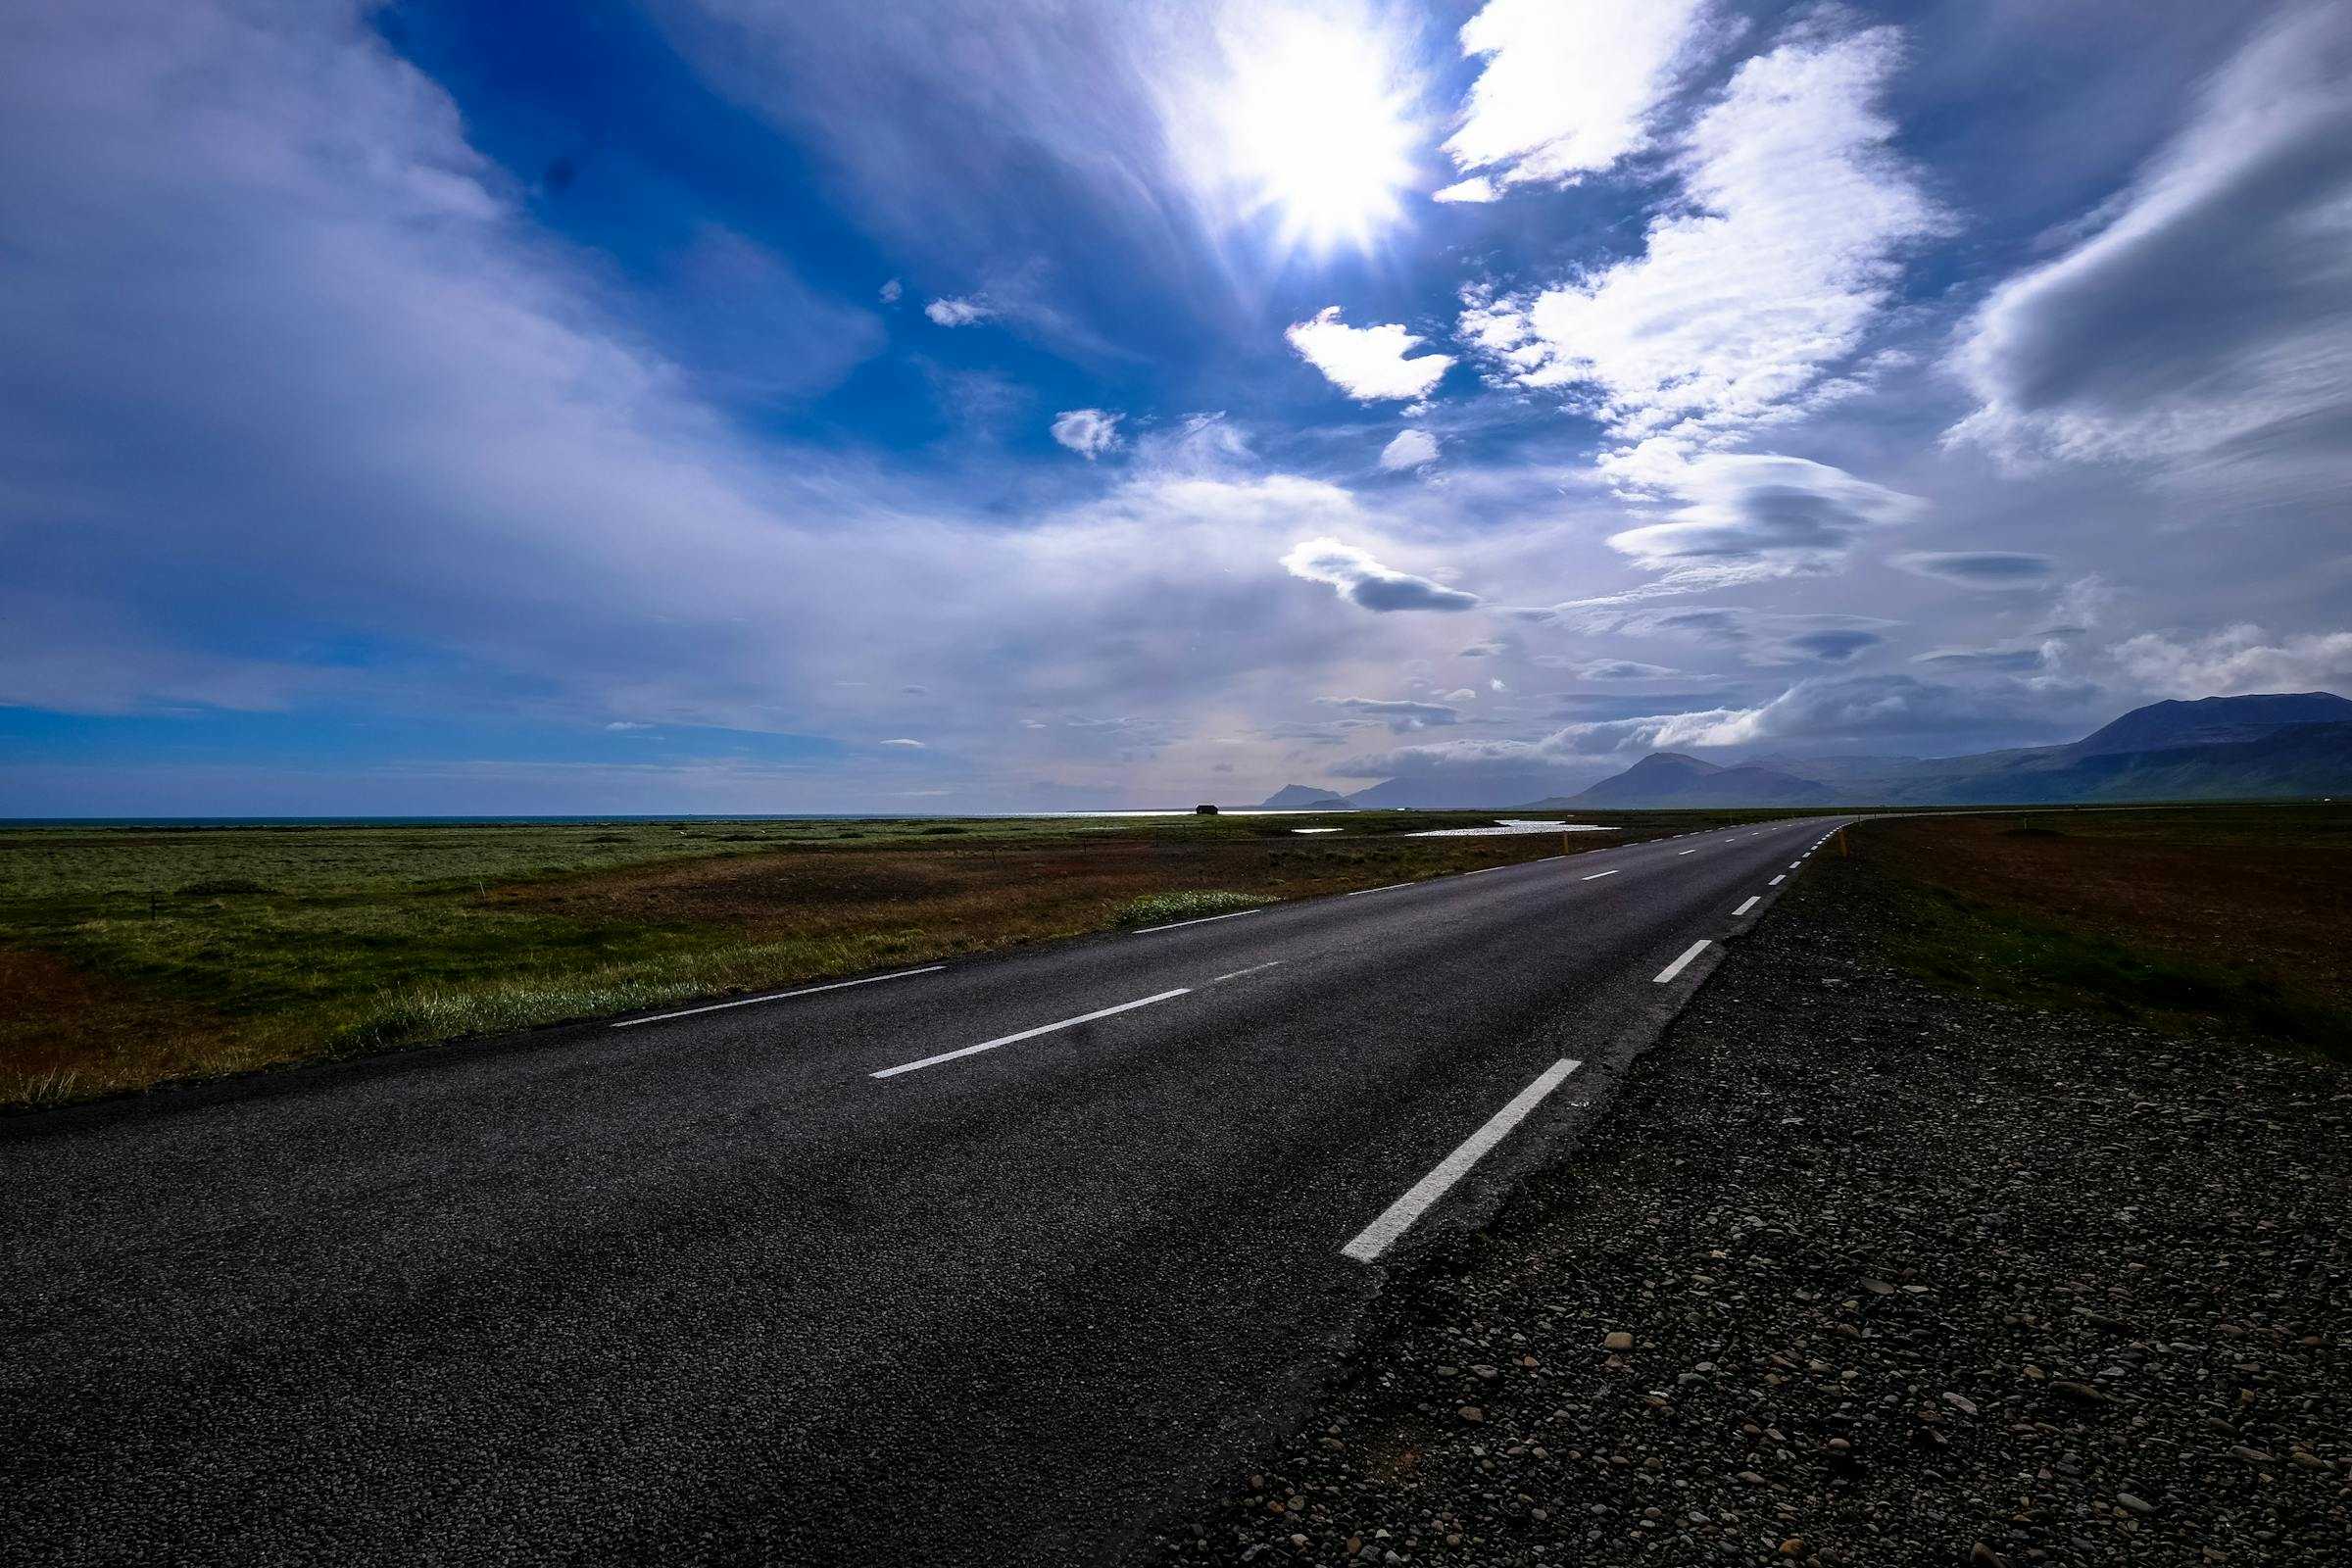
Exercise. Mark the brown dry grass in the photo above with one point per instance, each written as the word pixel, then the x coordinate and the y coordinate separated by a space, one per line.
pixel 998 895
pixel 2220 910
pixel 66 1034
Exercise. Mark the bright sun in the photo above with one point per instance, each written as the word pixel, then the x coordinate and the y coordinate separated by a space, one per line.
pixel 1320 129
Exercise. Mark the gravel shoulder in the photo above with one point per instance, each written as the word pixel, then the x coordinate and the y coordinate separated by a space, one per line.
pixel 1860 1271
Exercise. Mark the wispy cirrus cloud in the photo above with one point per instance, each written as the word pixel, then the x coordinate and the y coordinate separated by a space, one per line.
pixel 1979 569
pixel 1399 715
pixel 1830 645
pixel 1618 669
pixel 2001 660
pixel 1824 709
pixel 2207 320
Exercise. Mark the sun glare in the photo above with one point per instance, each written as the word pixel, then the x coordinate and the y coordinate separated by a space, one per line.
pixel 1320 129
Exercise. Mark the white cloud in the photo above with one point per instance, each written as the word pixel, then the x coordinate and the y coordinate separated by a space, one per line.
pixel 1089 433
pixel 1477 189
pixel 1411 449
pixel 891 290
pixel 1365 582
pixel 1829 645
pixel 1567 88
pixel 1979 568
pixel 915 746
pixel 1367 363
pixel 1398 715
pixel 958 312
pixel 1770 270
pixel 2084 602
pixel 2003 661
pixel 2237 660
pixel 1754 517
pixel 2210 318
pixel 1829 707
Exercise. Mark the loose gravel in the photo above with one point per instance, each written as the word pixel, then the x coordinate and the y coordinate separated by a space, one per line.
pixel 1859 1271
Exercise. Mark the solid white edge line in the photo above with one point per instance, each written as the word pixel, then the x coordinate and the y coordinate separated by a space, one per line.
pixel 781 996
pixel 1597 875
pixel 1203 920
pixel 1754 899
pixel 1398 1218
pixel 1027 1034
pixel 1385 887
pixel 1680 963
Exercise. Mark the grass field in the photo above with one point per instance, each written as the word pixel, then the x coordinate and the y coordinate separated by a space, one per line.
pixel 133 956
pixel 2235 914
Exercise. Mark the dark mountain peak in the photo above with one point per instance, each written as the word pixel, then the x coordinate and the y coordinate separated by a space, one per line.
pixel 1661 764
pixel 2212 721
pixel 1473 791
pixel 1670 778
pixel 1304 798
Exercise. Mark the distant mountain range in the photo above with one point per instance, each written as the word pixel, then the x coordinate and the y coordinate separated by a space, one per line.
pixel 2216 748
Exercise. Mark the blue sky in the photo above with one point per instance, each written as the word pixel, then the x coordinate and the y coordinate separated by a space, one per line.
pixel 714 405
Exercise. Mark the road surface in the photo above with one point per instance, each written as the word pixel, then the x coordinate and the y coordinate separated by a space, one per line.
pixel 1000 1261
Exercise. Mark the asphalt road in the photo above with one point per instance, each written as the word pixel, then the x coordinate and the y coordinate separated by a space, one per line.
pixel 725 1287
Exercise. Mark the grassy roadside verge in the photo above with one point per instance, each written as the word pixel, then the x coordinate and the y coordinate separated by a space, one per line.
pixel 2231 916
pixel 138 956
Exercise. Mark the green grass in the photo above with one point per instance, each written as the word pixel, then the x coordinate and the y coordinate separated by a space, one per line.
pixel 134 956
pixel 1158 907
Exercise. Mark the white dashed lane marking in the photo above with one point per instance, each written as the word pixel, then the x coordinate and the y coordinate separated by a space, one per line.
pixel 781 996
pixel 1029 1034
pixel 1682 962
pixel 1398 1218
pixel 1203 920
